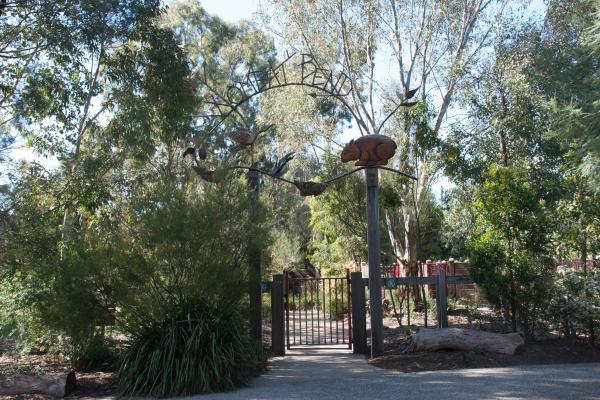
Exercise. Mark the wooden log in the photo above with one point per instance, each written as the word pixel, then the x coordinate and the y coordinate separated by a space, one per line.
pixel 53 385
pixel 465 339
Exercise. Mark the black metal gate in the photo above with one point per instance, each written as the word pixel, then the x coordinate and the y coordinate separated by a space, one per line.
pixel 317 311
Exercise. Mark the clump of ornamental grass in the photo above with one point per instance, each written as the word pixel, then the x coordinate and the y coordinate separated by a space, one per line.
pixel 199 347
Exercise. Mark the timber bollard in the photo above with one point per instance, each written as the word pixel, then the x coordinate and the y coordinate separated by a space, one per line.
pixel 277 316
pixel 359 319
pixel 441 300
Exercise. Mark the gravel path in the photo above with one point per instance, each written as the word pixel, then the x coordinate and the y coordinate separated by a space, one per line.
pixel 337 374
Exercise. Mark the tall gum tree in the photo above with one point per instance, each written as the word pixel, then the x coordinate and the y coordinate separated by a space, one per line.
pixel 76 67
pixel 426 45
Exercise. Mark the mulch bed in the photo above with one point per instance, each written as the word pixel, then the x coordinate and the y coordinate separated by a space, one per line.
pixel 90 384
pixel 551 350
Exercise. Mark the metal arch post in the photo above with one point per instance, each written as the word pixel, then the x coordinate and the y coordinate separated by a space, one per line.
pixel 372 178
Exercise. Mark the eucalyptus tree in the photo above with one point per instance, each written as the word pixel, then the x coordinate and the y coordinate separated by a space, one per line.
pixel 106 92
pixel 62 92
pixel 532 106
pixel 224 56
pixel 425 48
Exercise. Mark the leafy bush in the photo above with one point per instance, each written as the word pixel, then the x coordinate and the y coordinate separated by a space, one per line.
pixel 509 248
pixel 18 319
pixel 120 268
pixel 575 302
pixel 198 347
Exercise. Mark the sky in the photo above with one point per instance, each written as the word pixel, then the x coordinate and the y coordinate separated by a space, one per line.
pixel 231 10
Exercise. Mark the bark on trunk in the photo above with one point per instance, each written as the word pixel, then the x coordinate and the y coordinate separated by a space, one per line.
pixel 465 339
pixel 53 385
pixel 503 146
pixel 412 267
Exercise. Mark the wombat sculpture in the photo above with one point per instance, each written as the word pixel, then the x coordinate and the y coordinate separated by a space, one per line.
pixel 369 150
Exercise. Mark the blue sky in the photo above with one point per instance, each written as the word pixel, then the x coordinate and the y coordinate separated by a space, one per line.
pixel 231 10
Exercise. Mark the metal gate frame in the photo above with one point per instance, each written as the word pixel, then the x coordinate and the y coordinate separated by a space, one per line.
pixel 302 293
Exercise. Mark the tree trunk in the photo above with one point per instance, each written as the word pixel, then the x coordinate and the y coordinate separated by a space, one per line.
pixel 465 340
pixel 392 228
pixel 412 267
pixel 53 385
pixel 582 229
pixel 513 301
pixel 503 146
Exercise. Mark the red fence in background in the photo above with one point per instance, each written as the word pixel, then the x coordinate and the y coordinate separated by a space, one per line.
pixel 431 268
pixel 576 265
pixel 461 268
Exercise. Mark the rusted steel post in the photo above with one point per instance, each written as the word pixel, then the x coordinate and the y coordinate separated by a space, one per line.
pixel 255 316
pixel 442 312
pixel 372 178
pixel 277 316
pixel 359 319
pixel 349 308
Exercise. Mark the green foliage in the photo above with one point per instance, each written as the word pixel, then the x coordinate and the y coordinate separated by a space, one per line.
pixel 509 249
pixel 575 302
pixel 459 221
pixel 338 223
pixel 198 347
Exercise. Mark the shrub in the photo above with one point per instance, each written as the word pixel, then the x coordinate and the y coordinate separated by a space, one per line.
pixel 575 302
pixel 509 247
pixel 198 347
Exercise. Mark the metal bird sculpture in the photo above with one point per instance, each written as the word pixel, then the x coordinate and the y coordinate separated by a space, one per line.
pixel 245 137
pixel 410 93
pixel 206 174
pixel 310 188
pixel 281 167
pixel 408 103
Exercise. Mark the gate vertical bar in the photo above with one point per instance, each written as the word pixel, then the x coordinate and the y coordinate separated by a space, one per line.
pixel 337 312
pixel 305 312
pixel 330 316
pixel 286 294
pixel 295 305
pixel 342 312
pixel 324 310
pixel 318 304
pixel 359 318
pixel 372 180
pixel 277 316
pixel 312 312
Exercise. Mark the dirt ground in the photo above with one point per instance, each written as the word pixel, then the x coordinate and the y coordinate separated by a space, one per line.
pixel 90 384
pixel 549 349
